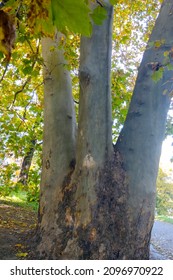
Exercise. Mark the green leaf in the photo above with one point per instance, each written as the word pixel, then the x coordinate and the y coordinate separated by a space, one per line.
pixel 124 39
pixel 114 2
pixel 151 44
pixel 27 70
pixel 157 75
pixel 71 14
pixel 165 92
pixel 166 60
pixel 99 14
pixel 170 66
pixel 10 3
pixel 1 55
pixel 166 54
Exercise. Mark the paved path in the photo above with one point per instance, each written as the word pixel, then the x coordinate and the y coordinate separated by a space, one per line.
pixel 162 241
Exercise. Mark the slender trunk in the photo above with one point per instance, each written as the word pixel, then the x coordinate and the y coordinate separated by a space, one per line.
pixel 94 143
pixel 139 144
pixel 58 140
pixel 26 164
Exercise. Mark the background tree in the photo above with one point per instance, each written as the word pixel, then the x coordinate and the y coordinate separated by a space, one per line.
pixel 164 202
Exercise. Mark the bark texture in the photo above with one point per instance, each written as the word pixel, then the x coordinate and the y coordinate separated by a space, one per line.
pixel 58 140
pixel 94 146
pixel 140 141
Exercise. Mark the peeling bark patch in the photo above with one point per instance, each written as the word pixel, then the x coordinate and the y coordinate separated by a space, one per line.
pixel 102 251
pixel 111 234
pixel 99 239
pixel 93 234
pixel 109 231
pixel 47 164
pixel 68 217
pixel 104 235
pixel 65 219
pixel 112 211
pixel 50 153
pixel 54 240
pixel 71 250
pixel 89 161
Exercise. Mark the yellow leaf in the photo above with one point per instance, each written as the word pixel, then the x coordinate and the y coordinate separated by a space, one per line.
pixel 159 43
pixel 18 245
pixel 166 53
pixel 24 225
pixel 21 255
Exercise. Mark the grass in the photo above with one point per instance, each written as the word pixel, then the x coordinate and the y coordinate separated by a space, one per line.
pixel 165 219
pixel 20 199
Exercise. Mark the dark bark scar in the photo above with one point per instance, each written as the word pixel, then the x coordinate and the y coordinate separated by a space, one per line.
pixel 47 164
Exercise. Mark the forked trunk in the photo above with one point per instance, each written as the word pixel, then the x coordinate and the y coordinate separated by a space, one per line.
pixel 102 207
pixel 69 194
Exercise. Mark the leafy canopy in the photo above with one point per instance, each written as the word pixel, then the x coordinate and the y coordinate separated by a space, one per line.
pixel 72 15
pixel 68 14
pixel 21 90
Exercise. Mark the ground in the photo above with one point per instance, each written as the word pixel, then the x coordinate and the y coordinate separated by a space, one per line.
pixel 162 240
pixel 17 225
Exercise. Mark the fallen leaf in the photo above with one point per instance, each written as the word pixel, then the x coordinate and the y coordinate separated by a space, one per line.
pixel 23 255
pixel 18 245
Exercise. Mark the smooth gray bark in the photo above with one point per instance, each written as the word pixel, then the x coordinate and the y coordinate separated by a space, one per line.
pixel 139 144
pixel 58 138
pixel 95 119
pixel 94 142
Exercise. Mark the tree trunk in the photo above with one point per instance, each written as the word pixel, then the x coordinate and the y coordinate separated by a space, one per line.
pixel 102 207
pixel 67 210
pixel 139 144
pixel 58 140
pixel 26 164
pixel 79 224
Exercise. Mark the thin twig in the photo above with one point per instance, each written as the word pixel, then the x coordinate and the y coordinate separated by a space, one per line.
pixel 75 101
pixel 20 90
pixel 5 70
pixel 98 2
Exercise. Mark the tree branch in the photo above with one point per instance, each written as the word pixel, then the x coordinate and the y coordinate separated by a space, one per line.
pixel 5 70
